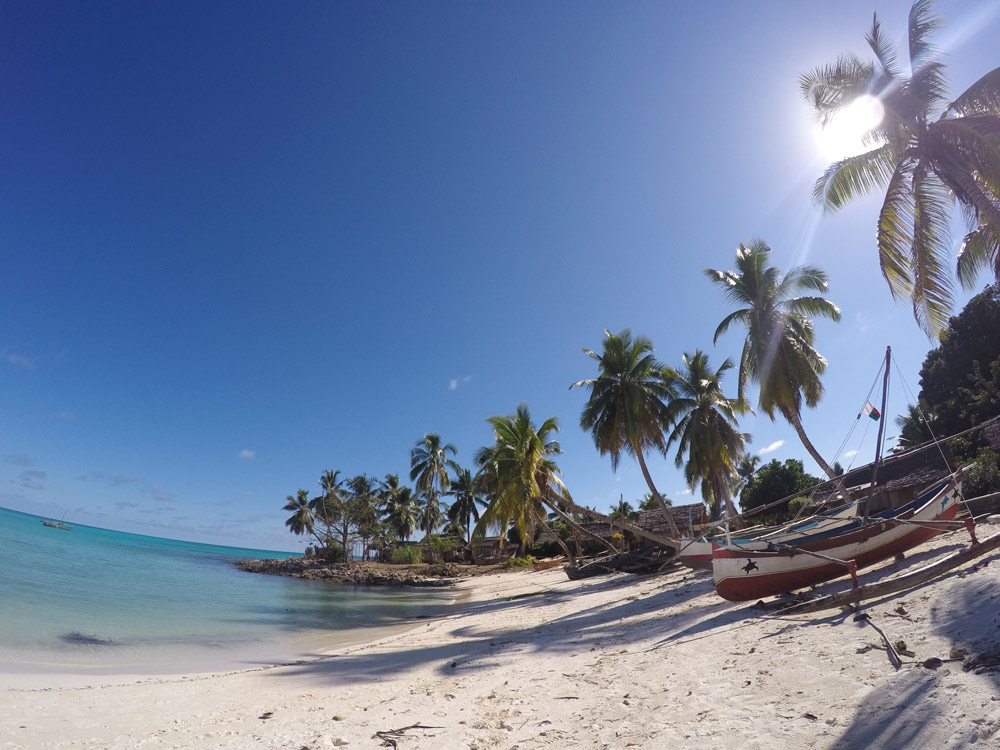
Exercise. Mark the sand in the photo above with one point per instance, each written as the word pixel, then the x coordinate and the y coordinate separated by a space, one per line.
pixel 536 661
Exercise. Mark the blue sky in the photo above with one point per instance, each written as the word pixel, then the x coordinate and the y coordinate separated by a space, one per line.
pixel 244 243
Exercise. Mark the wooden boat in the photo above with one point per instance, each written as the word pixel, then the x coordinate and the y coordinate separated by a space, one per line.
pixel 759 569
pixel 697 553
pixel 57 525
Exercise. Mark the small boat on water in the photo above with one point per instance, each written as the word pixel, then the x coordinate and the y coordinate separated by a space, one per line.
pixel 57 525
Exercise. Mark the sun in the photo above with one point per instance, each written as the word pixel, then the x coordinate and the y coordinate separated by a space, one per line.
pixel 844 135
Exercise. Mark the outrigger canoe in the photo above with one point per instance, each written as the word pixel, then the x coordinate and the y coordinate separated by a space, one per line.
pixel 759 568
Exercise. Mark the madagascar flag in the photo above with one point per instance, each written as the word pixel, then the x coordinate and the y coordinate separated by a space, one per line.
pixel 871 412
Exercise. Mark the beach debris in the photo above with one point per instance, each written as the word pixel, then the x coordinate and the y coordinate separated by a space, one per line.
pixel 932 663
pixel 811 717
pixel 338 717
pixel 389 736
pixel 266 715
pixel 985 662
pixel 889 649
pixel 79 639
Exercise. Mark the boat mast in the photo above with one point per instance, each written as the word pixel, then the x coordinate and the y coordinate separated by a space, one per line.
pixel 881 430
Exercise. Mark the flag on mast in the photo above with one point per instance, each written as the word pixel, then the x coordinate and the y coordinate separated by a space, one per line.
pixel 871 412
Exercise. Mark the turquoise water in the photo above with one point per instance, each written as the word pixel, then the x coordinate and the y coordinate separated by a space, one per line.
pixel 97 601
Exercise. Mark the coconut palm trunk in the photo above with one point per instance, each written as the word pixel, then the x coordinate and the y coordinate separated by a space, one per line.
pixel 796 423
pixel 553 506
pixel 674 532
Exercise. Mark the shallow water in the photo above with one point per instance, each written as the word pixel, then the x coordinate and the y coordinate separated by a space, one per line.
pixel 93 601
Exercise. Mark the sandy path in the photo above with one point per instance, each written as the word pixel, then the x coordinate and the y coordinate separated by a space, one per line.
pixel 537 661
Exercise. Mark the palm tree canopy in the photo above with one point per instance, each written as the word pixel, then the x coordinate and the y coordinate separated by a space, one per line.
pixel 430 462
pixel 627 409
pixel 468 499
pixel 706 430
pixel 926 153
pixel 519 469
pixel 301 521
pixel 778 352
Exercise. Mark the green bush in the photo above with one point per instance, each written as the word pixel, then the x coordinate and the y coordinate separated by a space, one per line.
pixel 309 551
pixel 547 549
pixel 411 554
pixel 984 477
pixel 520 562
pixel 795 505
pixel 333 553
pixel 438 546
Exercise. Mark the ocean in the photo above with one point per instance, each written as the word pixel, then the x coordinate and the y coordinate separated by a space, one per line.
pixel 96 602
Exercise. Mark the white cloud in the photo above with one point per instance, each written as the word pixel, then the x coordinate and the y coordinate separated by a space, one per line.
pixel 18 459
pixel 454 383
pixel 18 360
pixel 248 455
pixel 772 447
pixel 686 492
pixel 849 454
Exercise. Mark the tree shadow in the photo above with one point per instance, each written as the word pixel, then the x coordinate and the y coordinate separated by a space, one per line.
pixel 476 647
pixel 901 711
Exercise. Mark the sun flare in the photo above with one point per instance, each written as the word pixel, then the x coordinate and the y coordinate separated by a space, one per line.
pixel 844 135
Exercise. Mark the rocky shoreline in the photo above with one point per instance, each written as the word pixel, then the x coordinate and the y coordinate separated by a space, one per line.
pixel 366 573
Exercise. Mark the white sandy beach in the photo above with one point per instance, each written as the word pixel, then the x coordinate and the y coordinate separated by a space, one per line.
pixel 537 661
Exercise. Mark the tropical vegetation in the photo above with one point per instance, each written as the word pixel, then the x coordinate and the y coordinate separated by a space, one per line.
pixel 627 408
pixel 709 443
pixel 778 353
pixel 927 153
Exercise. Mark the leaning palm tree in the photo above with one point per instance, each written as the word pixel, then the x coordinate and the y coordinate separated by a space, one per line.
pixel 709 443
pixel 522 454
pixel 778 352
pixel 429 465
pixel 627 408
pixel 520 470
pixel 926 152
pixel 468 499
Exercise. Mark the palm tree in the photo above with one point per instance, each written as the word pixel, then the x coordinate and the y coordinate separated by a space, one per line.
pixel 429 465
pixel 328 506
pixel 401 511
pixel 302 521
pixel 706 431
pixel 926 152
pixel 520 470
pixel 778 351
pixel 468 499
pixel 627 408
pixel 623 510
pixel 362 508
pixel 913 427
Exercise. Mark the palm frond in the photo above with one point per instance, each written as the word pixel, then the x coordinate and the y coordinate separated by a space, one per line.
pixel 830 88
pixel 813 306
pixel 895 233
pixel 932 297
pixel 854 176
pixel 980 250
pixel 884 51
pixel 981 98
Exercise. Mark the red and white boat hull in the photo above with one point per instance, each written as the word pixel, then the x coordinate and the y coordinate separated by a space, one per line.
pixel 747 574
